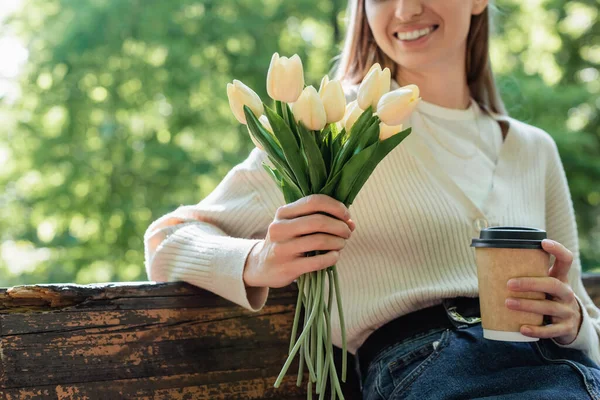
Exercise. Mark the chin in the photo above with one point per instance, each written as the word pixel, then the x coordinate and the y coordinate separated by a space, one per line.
pixel 415 62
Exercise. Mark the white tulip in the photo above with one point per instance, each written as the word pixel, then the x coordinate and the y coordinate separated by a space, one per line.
pixel 309 109
pixel 394 107
pixel 376 84
pixel 285 79
pixel 333 98
pixel 240 95
pixel 353 111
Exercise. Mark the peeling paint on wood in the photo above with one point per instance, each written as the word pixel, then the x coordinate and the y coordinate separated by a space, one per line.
pixel 145 340
pixel 152 341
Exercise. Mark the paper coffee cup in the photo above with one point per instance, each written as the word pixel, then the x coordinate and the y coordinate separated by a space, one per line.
pixel 502 253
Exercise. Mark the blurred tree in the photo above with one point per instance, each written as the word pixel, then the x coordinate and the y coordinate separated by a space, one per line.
pixel 124 116
pixel 548 57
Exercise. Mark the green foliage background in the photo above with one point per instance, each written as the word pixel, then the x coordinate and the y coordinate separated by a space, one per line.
pixel 124 115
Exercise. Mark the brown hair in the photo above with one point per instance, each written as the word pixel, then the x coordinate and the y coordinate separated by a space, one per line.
pixel 361 51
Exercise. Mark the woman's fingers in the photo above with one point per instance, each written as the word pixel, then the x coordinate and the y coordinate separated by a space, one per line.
pixel 314 204
pixel 303 265
pixel 319 241
pixel 316 223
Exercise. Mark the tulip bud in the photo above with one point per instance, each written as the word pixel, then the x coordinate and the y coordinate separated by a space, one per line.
pixel 394 107
pixel 333 98
pixel 387 131
pixel 353 111
pixel 240 95
pixel 309 109
pixel 376 84
pixel 285 79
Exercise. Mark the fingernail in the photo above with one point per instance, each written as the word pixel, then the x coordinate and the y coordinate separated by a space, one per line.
pixel 512 302
pixel 548 243
pixel 513 284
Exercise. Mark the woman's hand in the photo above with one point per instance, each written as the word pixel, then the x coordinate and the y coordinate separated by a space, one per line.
pixel 315 222
pixel 563 307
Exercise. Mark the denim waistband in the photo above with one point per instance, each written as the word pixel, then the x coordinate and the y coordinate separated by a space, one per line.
pixel 454 313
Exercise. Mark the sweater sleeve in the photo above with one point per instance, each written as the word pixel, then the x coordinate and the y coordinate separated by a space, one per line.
pixel 561 226
pixel 207 244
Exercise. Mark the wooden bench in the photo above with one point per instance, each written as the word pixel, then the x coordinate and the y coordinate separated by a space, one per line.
pixel 151 341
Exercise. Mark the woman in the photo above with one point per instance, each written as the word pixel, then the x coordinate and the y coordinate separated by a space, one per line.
pixel 467 165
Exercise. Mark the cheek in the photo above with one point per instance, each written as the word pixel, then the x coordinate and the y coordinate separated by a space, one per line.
pixel 376 17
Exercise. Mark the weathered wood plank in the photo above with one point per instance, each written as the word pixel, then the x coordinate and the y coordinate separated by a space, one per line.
pixel 146 340
pixel 160 340
pixel 185 386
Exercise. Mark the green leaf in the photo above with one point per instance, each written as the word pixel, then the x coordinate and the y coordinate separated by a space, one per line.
pixel 291 150
pixel 279 108
pixel 325 148
pixel 273 173
pixel 317 170
pixel 290 191
pixel 336 145
pixel 382 149
pixel 368 137
pixel 374 137
pixel 264 137
pixel 351 171
pixel 291 120
pixel 331 184
pixel 353 138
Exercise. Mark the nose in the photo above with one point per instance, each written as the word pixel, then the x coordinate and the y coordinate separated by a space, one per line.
pixel 406 10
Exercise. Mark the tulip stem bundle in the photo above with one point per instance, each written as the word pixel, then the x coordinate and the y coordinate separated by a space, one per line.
pixel 310 154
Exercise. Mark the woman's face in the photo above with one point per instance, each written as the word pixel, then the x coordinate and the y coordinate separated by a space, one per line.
pixel 445 24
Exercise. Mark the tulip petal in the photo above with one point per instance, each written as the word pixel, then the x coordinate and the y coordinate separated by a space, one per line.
pixel 271 78
pixel 394 107
pixel 367 89
pixel 334 101
pixel 309 109
pixel 324 83
pixel 285 79
pixel 385 81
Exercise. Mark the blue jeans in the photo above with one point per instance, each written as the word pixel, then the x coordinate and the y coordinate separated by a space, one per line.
pixel 459 363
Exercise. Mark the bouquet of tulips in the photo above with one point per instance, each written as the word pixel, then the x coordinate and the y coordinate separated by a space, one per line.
pixel 319 145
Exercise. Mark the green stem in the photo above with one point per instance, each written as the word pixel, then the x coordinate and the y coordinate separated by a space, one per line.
pixel 306 344
pixel 320 331
pixel 327 338
pixel 297 345
pixel 313 336
pixel 336 382
pixel 301 363
pixel 297 315
pixel 342 324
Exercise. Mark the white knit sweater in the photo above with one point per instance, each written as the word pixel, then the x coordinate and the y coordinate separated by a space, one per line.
pixel 414 225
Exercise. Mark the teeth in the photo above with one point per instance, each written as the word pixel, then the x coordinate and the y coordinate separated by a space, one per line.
pixel 414 34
